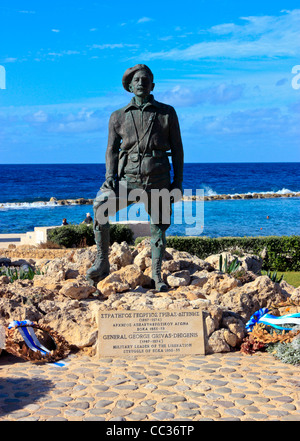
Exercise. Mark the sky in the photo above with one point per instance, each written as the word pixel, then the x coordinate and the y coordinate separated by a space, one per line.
pixel 229 68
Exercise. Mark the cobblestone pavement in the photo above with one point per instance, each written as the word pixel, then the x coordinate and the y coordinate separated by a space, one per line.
pixel 215 387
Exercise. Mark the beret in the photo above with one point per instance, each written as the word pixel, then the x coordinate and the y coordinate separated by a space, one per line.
pixel 127 77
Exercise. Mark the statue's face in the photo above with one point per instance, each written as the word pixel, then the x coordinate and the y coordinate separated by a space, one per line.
pixel 141 84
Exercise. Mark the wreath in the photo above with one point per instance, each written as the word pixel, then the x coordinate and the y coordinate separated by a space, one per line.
pixel 31 349
pixel 261 334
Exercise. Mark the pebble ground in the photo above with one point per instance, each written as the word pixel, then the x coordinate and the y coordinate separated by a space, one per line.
pixel 217 387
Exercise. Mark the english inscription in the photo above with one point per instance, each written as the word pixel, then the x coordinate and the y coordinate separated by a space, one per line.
pixel 151 332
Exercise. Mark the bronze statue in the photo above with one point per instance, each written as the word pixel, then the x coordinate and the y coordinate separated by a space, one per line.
pixel 141 137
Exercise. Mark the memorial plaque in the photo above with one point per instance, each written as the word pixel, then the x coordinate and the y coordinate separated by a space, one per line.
pixel 150 332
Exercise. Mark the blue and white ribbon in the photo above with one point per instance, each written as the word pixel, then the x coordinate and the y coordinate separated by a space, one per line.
pixel 27 332
pixel 262 316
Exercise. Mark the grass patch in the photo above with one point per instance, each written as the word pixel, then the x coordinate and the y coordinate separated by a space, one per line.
pixel 291 277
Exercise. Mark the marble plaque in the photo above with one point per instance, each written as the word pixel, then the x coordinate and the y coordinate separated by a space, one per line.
pixel 150 332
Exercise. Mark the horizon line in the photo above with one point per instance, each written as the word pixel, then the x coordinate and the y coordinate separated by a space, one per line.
pixel 103 163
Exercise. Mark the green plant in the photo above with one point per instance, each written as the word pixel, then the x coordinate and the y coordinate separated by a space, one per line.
pixel 286 352
pixel 19 274
pixel 70 236
pixel 273 277
pixel 282 252
pixel 227 267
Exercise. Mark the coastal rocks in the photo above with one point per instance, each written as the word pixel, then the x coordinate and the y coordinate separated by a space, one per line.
pixel 220 197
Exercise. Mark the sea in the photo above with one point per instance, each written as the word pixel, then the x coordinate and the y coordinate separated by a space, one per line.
pixel 26 190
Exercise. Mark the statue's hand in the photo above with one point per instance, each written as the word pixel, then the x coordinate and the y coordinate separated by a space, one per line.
pixel 178 194
pixel 176 185
pixel 109 184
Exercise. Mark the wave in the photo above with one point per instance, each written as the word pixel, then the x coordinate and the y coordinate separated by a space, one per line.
pixel 283 191
pixel 209 194
pixel 208 191
pixel 37 204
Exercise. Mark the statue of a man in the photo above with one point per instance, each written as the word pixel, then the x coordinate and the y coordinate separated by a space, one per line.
pixel 141 137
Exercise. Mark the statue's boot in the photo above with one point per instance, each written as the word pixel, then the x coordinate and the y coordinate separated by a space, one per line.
pixel 158 246
pixel 101 267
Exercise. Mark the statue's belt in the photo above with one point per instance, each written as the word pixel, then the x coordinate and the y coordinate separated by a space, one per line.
pixel 154 154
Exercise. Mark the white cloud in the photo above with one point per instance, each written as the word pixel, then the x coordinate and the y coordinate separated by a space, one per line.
pixel 181 96
pixel 144 19
pixel 55 30
pixel 27 12
pixel 266 36
pixel 10 60
pixel 112 46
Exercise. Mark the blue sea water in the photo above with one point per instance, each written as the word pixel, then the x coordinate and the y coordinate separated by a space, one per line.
pixel 23 187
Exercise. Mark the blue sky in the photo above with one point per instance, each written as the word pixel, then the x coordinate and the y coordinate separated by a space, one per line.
pixel 226 67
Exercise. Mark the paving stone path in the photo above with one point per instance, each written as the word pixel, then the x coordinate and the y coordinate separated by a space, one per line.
pixel 215 387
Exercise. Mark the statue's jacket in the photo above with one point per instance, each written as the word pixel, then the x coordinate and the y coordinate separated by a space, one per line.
pixel 140 140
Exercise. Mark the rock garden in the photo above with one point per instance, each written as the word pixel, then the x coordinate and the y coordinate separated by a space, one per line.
pixel 229 290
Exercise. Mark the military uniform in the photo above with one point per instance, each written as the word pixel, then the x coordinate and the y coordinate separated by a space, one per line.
pixel 139 142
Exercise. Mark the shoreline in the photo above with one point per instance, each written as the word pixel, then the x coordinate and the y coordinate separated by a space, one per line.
pixel 88 201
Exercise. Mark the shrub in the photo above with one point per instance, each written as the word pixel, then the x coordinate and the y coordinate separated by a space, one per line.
pixel 70 236
pixel 282 252
pixel 49 245
pixel 286 352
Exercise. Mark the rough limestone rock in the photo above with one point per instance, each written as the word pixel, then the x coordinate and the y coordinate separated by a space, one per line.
pixel 77 289
pixel 13 309
pixel 73 319
pixel 61 298
pixel 142 259
pixel 47 282
pixel 217 342
pixel 247 299
pixel 288 289
pixel 251 263
pixel 188 261
pixel 179 278
pixel 124 279
pixel 296 295
pixel 2 337
pixel 235 325
pixel 247 262
pixel 120 255
pixel 4 280
pixel 220 283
